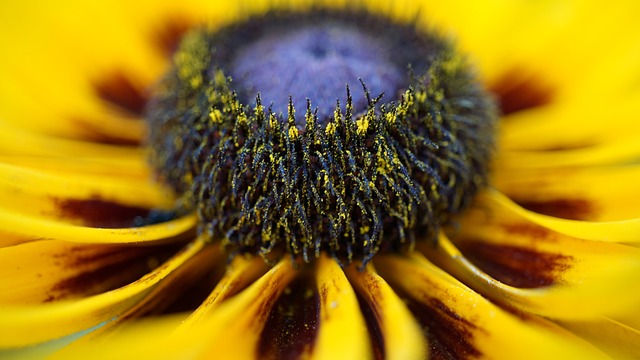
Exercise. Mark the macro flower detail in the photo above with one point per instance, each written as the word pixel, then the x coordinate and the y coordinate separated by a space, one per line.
pixel 524 247
pixel 347 181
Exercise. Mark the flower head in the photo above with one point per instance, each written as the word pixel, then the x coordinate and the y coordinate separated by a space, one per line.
pixel 393 252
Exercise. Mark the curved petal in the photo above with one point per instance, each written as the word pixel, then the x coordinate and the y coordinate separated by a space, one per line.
pixel 618 340
pixel 79 198
pixel 10 239
pixel 46 271
pixel 25 325
pixel 553 128
pixel 231 332
pixel 595 193
pixel 239 274
pixel 342 329
pixel 156 301
pixel 623 231
pixel 460 323
pixel 130 168
pixel 587 287
pixel 394 331
pixel 137 340
pixel 32 229
pixel 619 152
pixel 15 141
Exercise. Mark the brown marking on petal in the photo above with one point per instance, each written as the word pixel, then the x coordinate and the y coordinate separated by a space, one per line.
pixel 291 329
pixel 96 212
pixel 168 37
pixel 96 281
pixel 573 209
pixel 94 134
pixel 119 265
pixel 119 90
pixel 199 287
pixel 585 144
pixel 516 93
pixel 450 336
pixel 372 318
pixel 530 230
pixel 272 289
pixel 516 266
pixel 185 289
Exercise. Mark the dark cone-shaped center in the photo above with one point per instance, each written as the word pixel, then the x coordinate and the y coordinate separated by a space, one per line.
pixel 271 177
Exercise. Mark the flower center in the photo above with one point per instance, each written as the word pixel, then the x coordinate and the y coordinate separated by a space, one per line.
pixel 309 166
pixel 315 63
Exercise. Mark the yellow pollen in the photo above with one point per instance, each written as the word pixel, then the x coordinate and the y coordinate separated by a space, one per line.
pixel 363 125
pixel 216 116
pixel 293 132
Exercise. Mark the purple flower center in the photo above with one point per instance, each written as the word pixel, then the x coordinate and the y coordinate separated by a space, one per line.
pixel 316 63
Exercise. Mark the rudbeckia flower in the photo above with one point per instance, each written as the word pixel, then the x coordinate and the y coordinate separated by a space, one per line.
pixel 130 229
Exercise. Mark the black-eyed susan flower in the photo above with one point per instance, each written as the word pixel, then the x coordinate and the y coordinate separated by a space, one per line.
pixel 196 180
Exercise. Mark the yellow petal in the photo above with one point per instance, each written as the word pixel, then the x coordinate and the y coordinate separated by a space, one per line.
pixel 594 193
pixel 618 340
pixel 25 325
pixel 239 274
pixel 585 285
pixel 53 93
pixel 9 239
pixel 553 128
pixel 614 153
pixel 14 141
pixel 233 331
pixel 395 333
pixel 343 331
pixel 290 325
pixel 30 229
pixel 142 339
pixel 623 231
pixel 554 41
pixel 129 168
pixel 460 323
pixel 80 199
pixel 174 287
pixel 45 271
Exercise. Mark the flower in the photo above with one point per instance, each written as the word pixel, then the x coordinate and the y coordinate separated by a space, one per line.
pixel 543 265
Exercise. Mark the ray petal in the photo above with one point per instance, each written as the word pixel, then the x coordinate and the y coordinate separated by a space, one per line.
pixel 78 198
pixel 131 168
pixel 622 231
pixel 241 273
pixel 26 325
pixel 459 323
pixel 618 340
pixel 26 229
pixel 394 331
pixel 594 193
pixel 342 331
pixel 231 332
pixel 235 328
pixel 16 141
pixel 45 271
pixel 582 283
pixel 154 302
pixel 553 128
pixel 613 153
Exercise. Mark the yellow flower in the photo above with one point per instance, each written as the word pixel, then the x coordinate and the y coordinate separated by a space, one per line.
pixel 545 264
